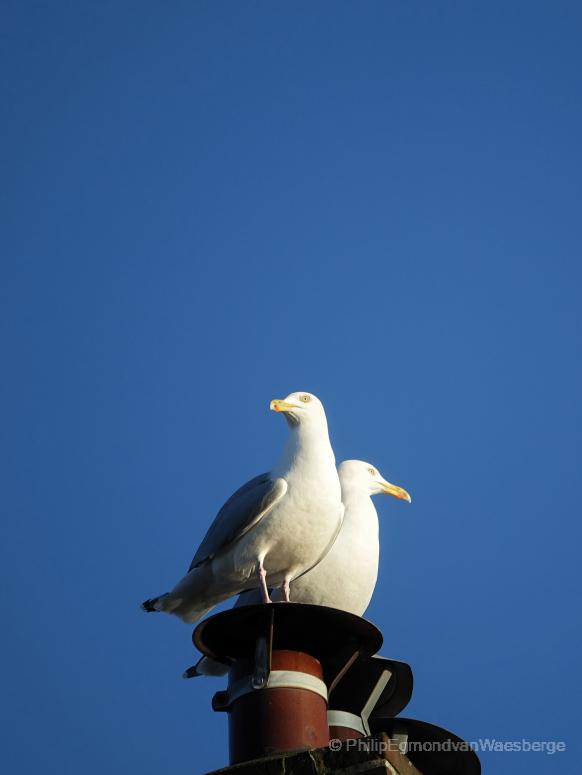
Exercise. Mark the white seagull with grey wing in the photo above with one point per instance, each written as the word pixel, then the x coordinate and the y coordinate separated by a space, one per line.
pixel 346 577
pixel 274 528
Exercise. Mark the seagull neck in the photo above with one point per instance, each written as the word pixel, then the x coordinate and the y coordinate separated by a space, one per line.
pixel 360 516
pixel 307 445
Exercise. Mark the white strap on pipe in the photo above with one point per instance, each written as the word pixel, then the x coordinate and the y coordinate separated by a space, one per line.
pixel 279 679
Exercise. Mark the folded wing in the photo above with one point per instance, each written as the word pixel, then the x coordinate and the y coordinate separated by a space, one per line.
pixel 241 512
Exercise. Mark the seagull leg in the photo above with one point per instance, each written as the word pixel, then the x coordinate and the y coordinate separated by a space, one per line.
pixel 263 580
pixel 286 591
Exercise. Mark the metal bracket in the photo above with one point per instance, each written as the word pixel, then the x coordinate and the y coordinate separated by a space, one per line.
pixel 381 684
pixel 261 672
pixel 399 736
pixel 262 665
pixel 347 661
pixel 263 655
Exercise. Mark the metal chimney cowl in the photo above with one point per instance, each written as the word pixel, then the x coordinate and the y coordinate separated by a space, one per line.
pixel 306 695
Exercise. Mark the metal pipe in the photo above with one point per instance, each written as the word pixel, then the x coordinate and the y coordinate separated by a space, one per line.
pixel 288 714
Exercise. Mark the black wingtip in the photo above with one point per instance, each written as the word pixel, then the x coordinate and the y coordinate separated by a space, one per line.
pixel 148 605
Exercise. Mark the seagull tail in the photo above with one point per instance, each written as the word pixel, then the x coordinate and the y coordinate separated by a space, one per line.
pixel 154 604
pixel 168 603
pixel 206 666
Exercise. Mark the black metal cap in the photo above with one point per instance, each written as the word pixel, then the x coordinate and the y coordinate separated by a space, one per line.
pixel 333 637
pixel 373 685
pixel 450 756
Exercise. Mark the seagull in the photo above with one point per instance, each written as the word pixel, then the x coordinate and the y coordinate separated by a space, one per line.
pixel 346 577
pixel 271 530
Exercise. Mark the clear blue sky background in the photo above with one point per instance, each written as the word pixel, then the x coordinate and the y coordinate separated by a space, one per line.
pixel 206 205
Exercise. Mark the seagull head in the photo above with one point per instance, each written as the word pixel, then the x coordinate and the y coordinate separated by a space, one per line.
pixel 300 408
pixel 367 478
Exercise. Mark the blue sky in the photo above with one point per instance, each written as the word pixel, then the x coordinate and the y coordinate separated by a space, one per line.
pixel 207 205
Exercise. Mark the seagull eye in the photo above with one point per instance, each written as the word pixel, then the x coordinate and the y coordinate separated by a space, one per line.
pixel 305 398
pixel 372 472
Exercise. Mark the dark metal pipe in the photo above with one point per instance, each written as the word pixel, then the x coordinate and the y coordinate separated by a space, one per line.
pixel 290 714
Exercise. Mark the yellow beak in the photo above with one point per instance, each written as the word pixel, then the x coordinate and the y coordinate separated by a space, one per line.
pixel 397 492
pixel 278 405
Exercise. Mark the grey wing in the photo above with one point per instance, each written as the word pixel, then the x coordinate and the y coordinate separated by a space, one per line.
pixel 240 513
